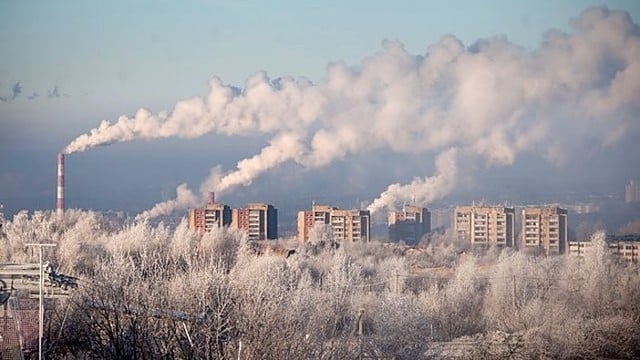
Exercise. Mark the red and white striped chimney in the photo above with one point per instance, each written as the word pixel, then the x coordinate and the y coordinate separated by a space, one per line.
pixel 60 192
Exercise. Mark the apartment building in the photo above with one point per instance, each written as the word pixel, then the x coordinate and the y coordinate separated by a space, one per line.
pixel 346 225
pixel 579 248
pixel 409 224
pixel 625 247
pixel 544 228
pixel 320 214
pixel 485 225
pixel 259 220
pixel 213 215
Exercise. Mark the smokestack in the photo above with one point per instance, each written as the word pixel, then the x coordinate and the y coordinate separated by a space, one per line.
pixel 212 198
pixel 60 192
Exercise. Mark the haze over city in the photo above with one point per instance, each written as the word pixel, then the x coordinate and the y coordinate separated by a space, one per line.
pixel 359 104
pixel 220 179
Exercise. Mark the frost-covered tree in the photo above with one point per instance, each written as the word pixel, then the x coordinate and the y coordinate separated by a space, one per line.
pixel 149 291
pixel 454 307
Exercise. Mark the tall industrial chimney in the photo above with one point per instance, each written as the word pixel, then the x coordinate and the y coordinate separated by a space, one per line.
pixel 60 192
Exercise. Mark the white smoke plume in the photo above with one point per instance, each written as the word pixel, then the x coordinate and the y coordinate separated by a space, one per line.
pixel 185 198
pixel 423 191
pixel 492 100
pixel 283 148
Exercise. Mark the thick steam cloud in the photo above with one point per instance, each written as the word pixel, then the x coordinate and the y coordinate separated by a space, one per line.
pixel 490 101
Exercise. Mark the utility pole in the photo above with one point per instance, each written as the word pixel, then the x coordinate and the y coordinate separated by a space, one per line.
pixel 514 293
pixel 41 309
pixel 360 330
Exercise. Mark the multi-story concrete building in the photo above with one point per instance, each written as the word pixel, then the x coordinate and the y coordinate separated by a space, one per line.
pixel 632 192
pixel 579 248
pixel 409 224
pixel 346 225
pixel 544 228
pixel 260 221
pixel 625 247
pixel 441 218
pixel 485 226
pixel 320 214
pixel 213 215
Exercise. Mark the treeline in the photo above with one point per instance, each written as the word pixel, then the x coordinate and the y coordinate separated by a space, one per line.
pixel 154 292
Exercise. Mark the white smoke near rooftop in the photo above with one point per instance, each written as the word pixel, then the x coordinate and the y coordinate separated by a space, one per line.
pixel 493 100
pixel 185 198
pixel 422 191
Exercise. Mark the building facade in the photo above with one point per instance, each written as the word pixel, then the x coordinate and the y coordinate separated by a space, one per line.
pixel 260 221
pixel 485 226
pixel 346 225
pixel 579 248
pixel 544 228
pixel 409 224
pixel 213 215
pixel 320 214
pixel 625 247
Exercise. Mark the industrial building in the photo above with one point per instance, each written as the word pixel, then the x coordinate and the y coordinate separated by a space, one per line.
pixel 346 225
pixel 544 228
pixel 485 226
pixel 409 224
pixel 260 221
pixel 213 215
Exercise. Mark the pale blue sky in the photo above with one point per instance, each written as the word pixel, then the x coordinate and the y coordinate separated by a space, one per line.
pixel 158 51
pixel 94 60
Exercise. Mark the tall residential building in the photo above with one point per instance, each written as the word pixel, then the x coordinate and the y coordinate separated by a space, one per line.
pixel 485 226
pixel 632 192
pixel 260 221
pixel 213 215
pixel 346 225
pixel 409 225
pixel 544 228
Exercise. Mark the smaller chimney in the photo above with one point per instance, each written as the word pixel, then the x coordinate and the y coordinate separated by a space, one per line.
pixel 212 198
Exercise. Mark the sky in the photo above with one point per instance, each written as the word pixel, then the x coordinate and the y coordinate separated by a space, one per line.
pixel 314 66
